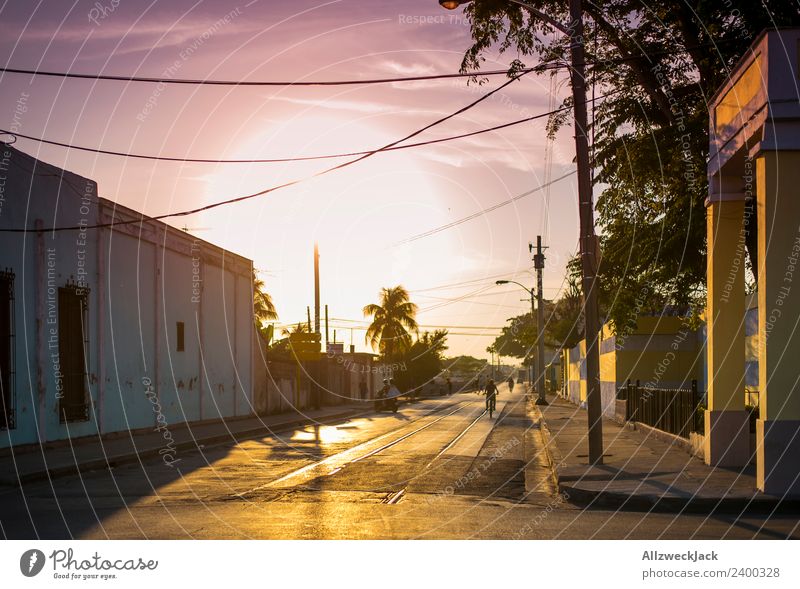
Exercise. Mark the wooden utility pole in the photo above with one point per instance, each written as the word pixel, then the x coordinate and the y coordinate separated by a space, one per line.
pixel 538 264
pixel 588 241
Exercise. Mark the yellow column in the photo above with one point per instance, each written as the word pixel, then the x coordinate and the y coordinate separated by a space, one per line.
pixel 778 427
pixel 727 433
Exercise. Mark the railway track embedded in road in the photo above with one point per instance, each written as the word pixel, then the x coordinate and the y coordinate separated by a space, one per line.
pixel 337 462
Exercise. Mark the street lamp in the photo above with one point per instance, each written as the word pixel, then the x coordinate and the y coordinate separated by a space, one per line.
pixel 539 380
pixel 586 212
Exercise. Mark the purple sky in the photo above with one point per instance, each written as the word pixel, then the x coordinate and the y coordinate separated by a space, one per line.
pixel 356 214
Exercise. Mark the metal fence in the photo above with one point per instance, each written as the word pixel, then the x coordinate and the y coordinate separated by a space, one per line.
pixel 676 411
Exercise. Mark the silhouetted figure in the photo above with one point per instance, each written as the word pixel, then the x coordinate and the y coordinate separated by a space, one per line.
pixel 491 397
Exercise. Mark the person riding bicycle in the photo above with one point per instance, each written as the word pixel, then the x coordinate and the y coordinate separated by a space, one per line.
pixel 491 396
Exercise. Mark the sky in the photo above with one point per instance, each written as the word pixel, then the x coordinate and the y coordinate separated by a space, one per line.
pixel 357 214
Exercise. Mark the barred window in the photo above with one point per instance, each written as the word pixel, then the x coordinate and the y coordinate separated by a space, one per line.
pixel 7 388
pixel 73 303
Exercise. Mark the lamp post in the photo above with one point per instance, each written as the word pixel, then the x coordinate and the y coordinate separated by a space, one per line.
pixel 538 380
pixel 586 212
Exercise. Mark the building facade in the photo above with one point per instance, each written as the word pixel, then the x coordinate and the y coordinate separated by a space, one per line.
pixel 659 352
pixel 111 321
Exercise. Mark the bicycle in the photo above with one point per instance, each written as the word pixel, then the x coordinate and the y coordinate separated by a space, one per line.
pixel 491 404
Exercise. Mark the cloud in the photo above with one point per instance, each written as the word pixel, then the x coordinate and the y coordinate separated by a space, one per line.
pixel 414 69
pixel 346 105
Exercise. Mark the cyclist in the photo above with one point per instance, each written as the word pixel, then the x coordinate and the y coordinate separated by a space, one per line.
pixel 491 397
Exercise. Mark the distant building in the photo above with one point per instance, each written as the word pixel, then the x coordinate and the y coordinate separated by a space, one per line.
pixel 660 352
pixel 124 327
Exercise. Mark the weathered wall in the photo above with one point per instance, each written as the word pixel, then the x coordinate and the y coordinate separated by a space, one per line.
pixel 142 279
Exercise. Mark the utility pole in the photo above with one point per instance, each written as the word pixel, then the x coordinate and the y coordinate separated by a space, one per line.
pixel 588 243
pixel 326 329
pixel 587 236
pixel 316 289
pixel 538 264
pixel 532 368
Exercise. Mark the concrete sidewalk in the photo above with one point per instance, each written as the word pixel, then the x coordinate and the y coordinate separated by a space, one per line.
pixel 94 452
pixel 642 473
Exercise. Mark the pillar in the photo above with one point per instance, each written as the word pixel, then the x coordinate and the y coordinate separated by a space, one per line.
pixel 778 426
pixel 727 430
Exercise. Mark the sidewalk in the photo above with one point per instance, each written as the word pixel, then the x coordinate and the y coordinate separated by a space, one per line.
pixel 642 473
pixel 93 452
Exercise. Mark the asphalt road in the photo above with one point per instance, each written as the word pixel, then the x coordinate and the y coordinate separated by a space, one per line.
pixel 437 469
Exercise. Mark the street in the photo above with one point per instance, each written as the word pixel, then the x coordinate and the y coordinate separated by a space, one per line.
pixel 439 468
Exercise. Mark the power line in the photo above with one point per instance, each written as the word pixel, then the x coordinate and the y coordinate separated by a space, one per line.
pixel 206 82
pixel 366 322
pixel 272 188
pixel 351 82
pixel 472 280
pixel 493 305
pixel 481 212
pixel 274 160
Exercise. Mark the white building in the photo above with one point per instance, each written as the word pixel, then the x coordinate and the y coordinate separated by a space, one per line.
pixel 125 327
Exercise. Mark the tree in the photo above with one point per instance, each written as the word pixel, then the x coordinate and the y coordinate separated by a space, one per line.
pixel 465 366
pixel 299 328
pixel 563 327
pixel 421 362
pixel 656 65
pixel 263 307
pixel 393 322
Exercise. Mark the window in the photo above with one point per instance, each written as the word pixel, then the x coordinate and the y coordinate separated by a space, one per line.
pixel 179 336
pixel 73 302
pixel 7 392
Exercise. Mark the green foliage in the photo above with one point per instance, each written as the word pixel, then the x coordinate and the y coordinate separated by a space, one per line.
pixel 393 322
pixel 564 328
pixel 517 338
pixel 464 365
pixel 421 362
pixel 263 307
pixel 281 348
pixel 657 65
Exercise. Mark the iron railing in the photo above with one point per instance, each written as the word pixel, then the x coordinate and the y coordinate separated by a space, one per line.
pixel 677 411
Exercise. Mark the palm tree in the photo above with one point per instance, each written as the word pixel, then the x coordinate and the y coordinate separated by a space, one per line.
pixel 393 320
pixel 263 307
pixel 299 328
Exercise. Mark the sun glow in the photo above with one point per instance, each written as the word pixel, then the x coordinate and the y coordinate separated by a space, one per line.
pixel 356 214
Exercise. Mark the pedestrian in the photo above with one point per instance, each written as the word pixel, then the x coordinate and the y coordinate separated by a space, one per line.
pixel 510 384
pixel 449 387
pixel 491 397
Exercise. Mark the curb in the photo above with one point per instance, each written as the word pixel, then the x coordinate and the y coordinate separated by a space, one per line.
pixel 659 504
pixel 194 444
pixel 551 451
pixel 656 503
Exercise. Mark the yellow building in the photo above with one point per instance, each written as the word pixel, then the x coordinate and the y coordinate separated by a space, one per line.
pixel 660 352
pixel 754 178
